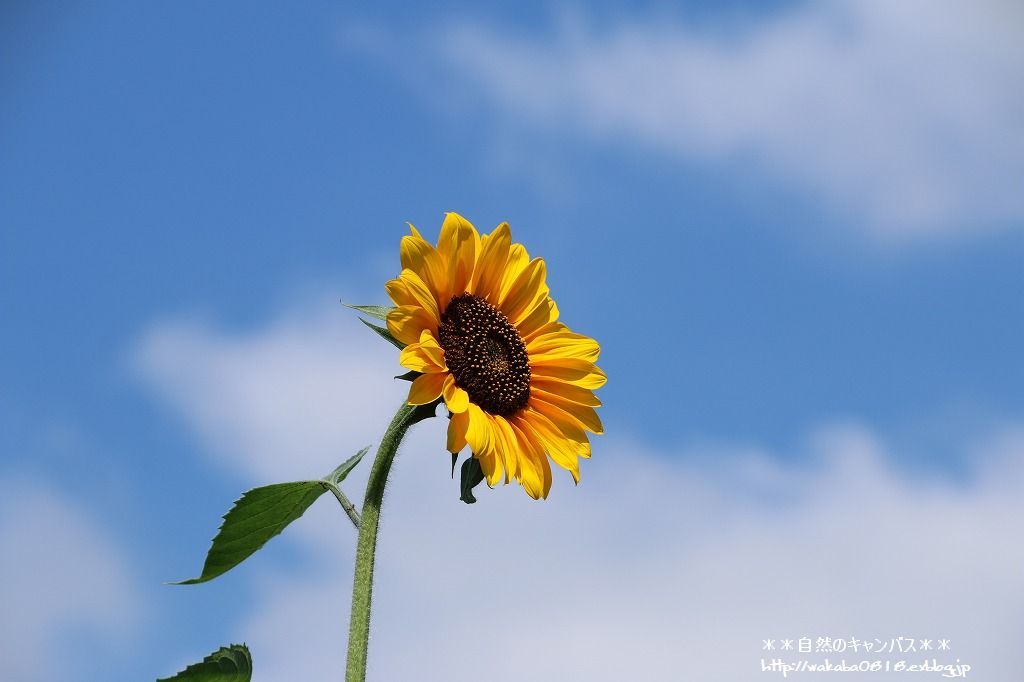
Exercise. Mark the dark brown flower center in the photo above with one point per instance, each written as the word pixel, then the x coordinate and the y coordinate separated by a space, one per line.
pixel 485 354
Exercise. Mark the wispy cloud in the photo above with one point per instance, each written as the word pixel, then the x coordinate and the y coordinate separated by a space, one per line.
pixel 907 118
pixel 282 402
pixel 654 568
pixel 61 578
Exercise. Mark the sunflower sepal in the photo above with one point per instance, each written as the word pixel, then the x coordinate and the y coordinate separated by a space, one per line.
pixel 411 375
pixel 472 476
pixel 421 412
pixel 377 311
pixel 384 333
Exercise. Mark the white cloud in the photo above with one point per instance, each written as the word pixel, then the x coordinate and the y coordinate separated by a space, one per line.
pixel 657 570
pixel 906 116
pixel 60 577
pixel 279 404
pixel 660 566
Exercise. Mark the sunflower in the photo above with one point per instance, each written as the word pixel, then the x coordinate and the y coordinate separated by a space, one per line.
pixel 481 328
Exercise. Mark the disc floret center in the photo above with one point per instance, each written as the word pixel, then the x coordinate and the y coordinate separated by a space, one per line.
pixel 485 355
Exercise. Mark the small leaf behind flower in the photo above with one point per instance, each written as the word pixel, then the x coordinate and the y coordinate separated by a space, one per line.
pixel 378 311
pixel 384 334
pixel 227 664
pixel 472 475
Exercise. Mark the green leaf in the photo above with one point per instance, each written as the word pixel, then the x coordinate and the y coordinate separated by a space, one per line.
pixel 378 311
pixel 411 375
pixel 256 517
pixel 346 467
pixel 227 664
pixel 424 412
pixel 384 333
pixel 261 513
pixel 472 475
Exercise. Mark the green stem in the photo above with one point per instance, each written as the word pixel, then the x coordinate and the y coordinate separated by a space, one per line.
pixel 366 546
pixel 346 504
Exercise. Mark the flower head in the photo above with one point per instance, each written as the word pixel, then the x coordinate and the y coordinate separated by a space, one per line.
pixel 480 326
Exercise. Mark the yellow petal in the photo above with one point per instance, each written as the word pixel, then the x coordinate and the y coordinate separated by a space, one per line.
pixel 570 370
pixel 480 247
pixel 410 289
pixel 564 345
pixel 419 290
pixel 484 437
pixel 543 315
pixel 546 473
pixel 527 292
pixel 499 445
pixel 478 434
pixel 584 416
pixel 455 398
pixel 423 356
pixel 530 472
pixel 517 261
pixel 571 431
pixel 412 358
pixel 458 244
pixel 429 345
pixel 491 264
pixel 555 444
pixel 490 465
pixel 399 293
pixel 547 328
pixel 457 426
pixel 426 389
pixel 540 462
pixel 583 396
pixel 420 256
pixel 408 322
pixel 506 446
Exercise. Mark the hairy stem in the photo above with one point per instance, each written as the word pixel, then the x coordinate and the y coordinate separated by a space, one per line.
pixel 346 504
pixel 366 546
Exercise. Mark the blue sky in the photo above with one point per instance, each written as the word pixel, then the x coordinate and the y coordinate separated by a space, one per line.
pixel 779 220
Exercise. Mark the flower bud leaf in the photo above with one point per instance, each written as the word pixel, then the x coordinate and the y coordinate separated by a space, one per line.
pixel 472 475
pixel 227 664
